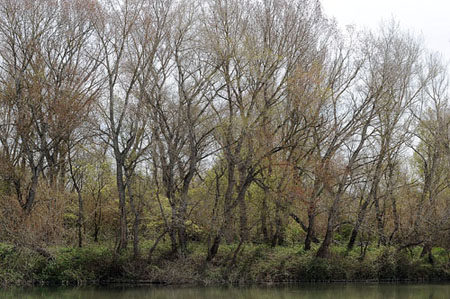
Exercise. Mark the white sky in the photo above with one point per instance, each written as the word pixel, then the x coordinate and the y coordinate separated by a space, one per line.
pixel 428 18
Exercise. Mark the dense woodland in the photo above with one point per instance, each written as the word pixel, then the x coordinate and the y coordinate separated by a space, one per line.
pixel 173 122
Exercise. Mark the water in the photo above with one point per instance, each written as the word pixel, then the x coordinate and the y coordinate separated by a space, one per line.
pixel 304 291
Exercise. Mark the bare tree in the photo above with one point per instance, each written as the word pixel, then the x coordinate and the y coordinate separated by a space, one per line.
pixel 122 58
pixel 255 55
pixel 49 82
pixel 431 155
pixel 392 78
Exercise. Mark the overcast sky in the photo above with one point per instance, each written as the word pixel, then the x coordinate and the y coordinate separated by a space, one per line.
pixel 429 18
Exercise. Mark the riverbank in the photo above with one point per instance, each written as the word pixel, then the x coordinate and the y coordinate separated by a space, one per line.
pixel 98 264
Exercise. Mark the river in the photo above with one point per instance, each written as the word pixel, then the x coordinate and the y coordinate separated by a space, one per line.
pixel 304 291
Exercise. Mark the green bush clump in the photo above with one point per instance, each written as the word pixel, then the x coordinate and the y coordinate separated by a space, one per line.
pixel 18 266
pixel 405 268
pixel 364 270
pixel 277 264
pixel 386 266
pixel 318 269
pixel 440 255
pixel 81 265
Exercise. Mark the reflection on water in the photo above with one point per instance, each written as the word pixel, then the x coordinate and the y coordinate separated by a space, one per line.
pixel 305 291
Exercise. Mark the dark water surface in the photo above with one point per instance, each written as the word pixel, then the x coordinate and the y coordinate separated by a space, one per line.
pixel 306 291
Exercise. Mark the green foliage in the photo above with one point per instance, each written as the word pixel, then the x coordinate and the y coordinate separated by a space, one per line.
pixel 81 266
pixel 252 263
pixel 275 265
pixel 294 234
pixel 319 269
pixel 440 255
pixel 19 266
pixel 386 264
pixel 344 233
pixel 6 250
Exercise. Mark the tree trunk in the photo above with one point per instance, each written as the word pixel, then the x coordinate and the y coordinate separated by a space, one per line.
pixel 212 251
pixel 123 231
pixel 310 232
pixel 96 228
pixel 304 227
pixel 80 218
pixel 426 251
pixel 183 211
pixel 173 229
pixel 97 219
pixel 323 251
pixel 380 224
pixel 278 237
pixel 228 207
pixel 29 203
pixel 135 212
pixel 359 221
pixel 243 225
pixel 182 234
pixel 264 210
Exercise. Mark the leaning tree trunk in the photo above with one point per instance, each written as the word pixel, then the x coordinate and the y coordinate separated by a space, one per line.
pixel 361 215
pixel 323 251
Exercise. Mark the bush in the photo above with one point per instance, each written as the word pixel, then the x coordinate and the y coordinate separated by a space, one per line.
pixel 364 270
pixel 277 264
pixel 440 255
pixel 18 266
pixel 318 269
pixel 386 265
pixel 82 265
pixel 403 267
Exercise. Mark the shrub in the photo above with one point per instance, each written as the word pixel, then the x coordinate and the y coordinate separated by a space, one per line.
pixel 18 266
pixel 318 269
pixel 82 265
pixel 386 264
